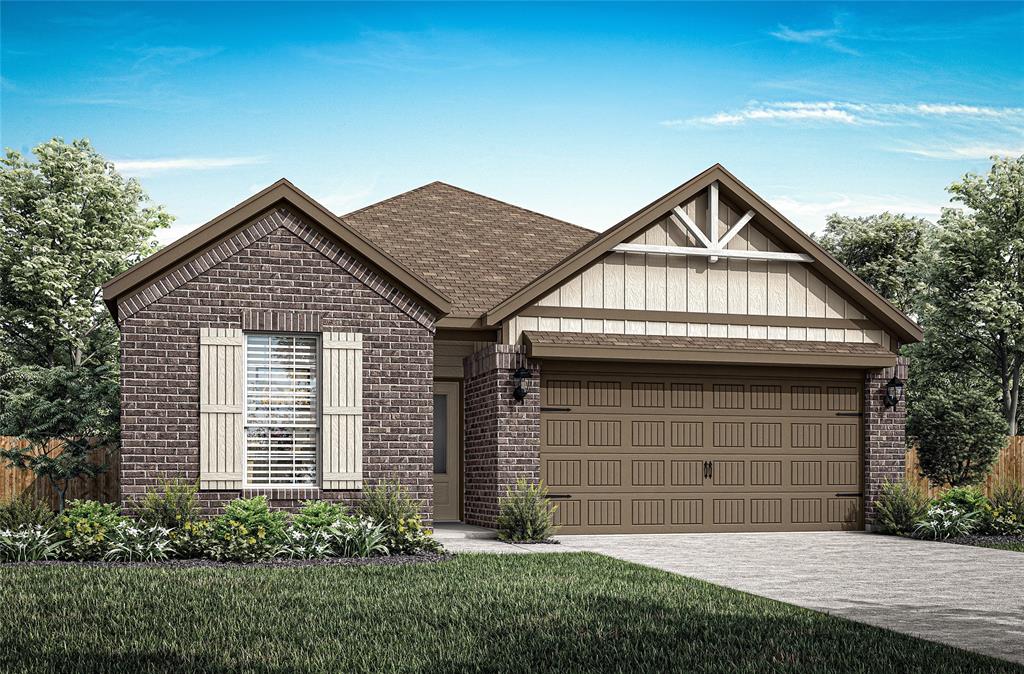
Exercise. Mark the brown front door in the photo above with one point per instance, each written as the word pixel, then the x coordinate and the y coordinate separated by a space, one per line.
pixel 447 468
pixel 702 450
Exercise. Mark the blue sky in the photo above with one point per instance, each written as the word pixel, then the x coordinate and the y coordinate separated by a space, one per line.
pixel 584 112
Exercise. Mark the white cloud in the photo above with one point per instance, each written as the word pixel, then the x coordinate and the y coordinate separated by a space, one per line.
pixel 810 214
pixel 826 37
pixel 144 167
pixel 848 112
pixel 964 152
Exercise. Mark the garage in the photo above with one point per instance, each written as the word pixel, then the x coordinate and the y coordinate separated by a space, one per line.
pixel 645 448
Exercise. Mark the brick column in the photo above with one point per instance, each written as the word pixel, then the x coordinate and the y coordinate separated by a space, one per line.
pixel 885 443
pixel 502 436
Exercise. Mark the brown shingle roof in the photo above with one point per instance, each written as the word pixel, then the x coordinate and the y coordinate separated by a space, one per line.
pixel 474 249
pixel 706 349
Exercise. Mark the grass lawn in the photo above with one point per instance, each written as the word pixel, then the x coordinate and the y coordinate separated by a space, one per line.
pixel 545 612
pixel 1016 547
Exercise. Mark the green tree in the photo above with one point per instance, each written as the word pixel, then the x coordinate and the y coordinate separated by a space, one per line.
pixel 885 250
pixel 68 223
pixel 954 417
pixel 973 308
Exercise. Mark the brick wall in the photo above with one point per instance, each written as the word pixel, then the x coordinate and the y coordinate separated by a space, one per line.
pixel 502 436
pixel 278 273
pixel 885 443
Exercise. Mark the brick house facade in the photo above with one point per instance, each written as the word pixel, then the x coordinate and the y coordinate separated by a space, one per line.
pixel 443 285
pixel 278 274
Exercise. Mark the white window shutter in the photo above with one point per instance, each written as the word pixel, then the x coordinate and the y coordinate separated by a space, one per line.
pixel 221 396
pixel 342 423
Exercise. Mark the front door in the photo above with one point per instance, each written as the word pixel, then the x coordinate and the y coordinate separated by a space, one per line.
pixel 447 471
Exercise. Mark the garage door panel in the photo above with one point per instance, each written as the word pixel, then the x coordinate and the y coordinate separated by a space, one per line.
pixel 693 513
pixel 663 453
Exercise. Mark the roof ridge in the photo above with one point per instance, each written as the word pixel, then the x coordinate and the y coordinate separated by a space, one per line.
pixel 511 205
pixel 391 198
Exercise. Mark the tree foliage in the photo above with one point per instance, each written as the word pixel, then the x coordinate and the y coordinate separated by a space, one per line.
pixel 68 223
pixel 885 250
pixel 973 304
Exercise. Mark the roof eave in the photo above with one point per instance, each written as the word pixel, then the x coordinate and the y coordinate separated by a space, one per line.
pixel 195 242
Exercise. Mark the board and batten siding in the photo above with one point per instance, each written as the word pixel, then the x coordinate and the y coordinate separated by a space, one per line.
pixel 672 283
pixel 221 415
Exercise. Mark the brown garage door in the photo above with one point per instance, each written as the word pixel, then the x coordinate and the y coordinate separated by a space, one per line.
pixel 701 450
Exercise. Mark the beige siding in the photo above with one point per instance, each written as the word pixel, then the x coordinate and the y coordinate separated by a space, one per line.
pixel 221 399
pixel 448 355
pixel 654 283
pixel 342 421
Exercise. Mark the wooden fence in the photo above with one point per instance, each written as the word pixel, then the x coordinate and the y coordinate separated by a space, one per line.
pixel 1009 466
pixel 104 487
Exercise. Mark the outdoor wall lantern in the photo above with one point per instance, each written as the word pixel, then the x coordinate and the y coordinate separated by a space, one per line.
pixel 521 377
pixel 893 392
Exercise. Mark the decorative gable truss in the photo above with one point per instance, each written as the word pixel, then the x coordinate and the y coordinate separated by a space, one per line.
pixel 704 268
pixel 713 244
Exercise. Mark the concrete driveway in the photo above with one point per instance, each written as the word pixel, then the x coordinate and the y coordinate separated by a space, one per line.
pixel 968 597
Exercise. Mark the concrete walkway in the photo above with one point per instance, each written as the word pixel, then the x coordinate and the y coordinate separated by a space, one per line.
pixel 972 598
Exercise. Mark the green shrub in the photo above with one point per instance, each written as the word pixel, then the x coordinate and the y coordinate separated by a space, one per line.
pixel 25 511
pixel 389 503
pixel 248 531
pixel 525 513
pixel 318 516
pixel 191 540
pixel 900 506
pixel 967 499
pixel 1007 514
pixel 361 537
pixel 942 522
pixel 130 543
pixel 87 527
pixel 171 506
pixel 28 543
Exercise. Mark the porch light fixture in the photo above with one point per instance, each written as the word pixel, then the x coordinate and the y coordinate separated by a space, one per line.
pixel 521 377
pixel 893 392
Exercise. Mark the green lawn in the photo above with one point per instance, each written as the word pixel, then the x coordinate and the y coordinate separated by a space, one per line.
pixel 1016 547
pixel 545 612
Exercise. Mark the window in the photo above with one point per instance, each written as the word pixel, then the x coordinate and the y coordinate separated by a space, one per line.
pixel 281 416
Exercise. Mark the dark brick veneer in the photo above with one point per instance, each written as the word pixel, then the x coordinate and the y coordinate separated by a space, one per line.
pixel 277 273
pixel 502 436
pixel 885 442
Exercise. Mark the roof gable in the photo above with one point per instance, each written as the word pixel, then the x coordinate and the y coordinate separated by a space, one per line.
pixel 281 193
pixel 475 249
pixel 781 239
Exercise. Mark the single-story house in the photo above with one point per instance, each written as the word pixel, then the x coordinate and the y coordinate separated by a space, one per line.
pixel 703 365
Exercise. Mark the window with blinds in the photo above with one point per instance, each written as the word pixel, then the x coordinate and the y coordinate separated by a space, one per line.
pixel 281 416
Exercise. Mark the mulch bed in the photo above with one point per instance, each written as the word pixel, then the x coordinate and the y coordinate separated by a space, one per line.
pixel 981 540
pixel 393 560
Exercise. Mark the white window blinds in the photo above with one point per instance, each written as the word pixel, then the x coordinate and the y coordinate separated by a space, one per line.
pixel 281 416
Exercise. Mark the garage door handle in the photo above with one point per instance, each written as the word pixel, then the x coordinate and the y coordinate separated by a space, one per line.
pixel 709 469
pixel 556 409
pixel 559 496
pixel 851 494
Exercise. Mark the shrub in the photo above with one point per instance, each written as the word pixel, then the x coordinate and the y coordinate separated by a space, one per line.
pixel 171 506
pixel 301 544
pixel 360 537
pixel 390 504
pixel 130 543
pixel 28 543
pixel 87 527
pixel 25 511
pixel 967 499
pixel 1007 514
pixel 941 523
pixel 525 513
pixel 318 516
pixel 900 506
pixel 191 540
pixel 248 531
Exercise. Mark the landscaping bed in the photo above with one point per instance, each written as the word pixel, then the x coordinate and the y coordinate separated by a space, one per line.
pixel 495 613
pixel 1014 543
pixel 276 562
